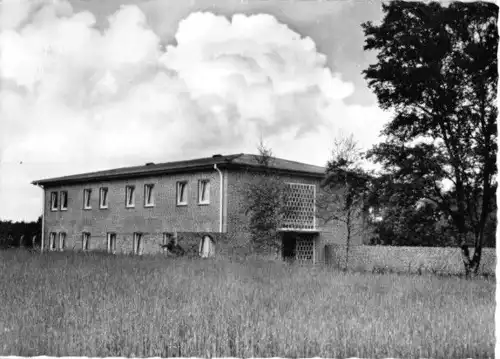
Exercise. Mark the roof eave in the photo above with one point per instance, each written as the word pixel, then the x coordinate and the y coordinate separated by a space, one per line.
pixel 152 172
pixel 278 170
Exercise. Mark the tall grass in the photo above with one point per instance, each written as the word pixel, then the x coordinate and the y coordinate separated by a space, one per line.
pixel 75 304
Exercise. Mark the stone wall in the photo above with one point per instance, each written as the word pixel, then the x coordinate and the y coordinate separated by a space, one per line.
pixel 408 259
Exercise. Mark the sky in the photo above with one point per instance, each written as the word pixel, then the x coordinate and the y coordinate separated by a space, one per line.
pixel 87 85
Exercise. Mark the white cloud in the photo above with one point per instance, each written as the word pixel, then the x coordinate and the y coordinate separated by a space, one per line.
pixel 78 99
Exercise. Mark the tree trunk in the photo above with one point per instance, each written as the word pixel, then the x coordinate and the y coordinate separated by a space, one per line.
pixel 478 248
pixel 472 264
pixel 476 260
pixel 466 259
pixel 348 240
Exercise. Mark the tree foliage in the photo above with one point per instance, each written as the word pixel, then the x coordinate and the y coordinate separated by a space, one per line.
pixel 265 199
pixel 437 72
pixel 11 233
pixel 341 198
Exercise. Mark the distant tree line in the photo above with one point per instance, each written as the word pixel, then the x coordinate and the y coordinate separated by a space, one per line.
pixel 12 232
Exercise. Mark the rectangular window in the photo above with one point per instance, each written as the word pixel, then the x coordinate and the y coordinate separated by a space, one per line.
pixel 87 195
pixel 149 195
pixel 137 243
pixel 53 201
pixel 62 241
pixel 52 241
pixel 85 241
pixel 166 238
pixel 129 196
pixel 103 197
pixel 64 200
pixel 112 243
pixel 204 192
pixel 182 193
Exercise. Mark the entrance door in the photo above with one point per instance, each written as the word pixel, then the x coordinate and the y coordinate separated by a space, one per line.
pixel 288 246
pixel 297 246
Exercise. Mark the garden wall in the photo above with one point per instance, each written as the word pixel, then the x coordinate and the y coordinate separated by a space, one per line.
pixel 408 259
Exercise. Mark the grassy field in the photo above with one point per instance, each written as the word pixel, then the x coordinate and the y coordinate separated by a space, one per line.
pixel 98 305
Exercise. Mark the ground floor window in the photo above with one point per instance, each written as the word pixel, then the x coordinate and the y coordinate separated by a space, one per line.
pixel 207 247
pixel 85 241
pixel 305 250
pixel 111 243
pixel 167 238
pixel 137 249
pixel 62 241
pixel 298 247
pixel 52 241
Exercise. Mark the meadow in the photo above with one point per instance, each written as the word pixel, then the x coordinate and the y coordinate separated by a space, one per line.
pixel 76 304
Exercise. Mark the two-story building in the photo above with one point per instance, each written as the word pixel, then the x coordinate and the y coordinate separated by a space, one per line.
pixel 137 209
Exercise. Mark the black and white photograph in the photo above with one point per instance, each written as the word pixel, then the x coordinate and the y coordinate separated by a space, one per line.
pixel 248 178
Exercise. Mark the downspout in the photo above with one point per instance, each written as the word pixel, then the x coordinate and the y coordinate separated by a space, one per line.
pixel 220 197
pixel 42 236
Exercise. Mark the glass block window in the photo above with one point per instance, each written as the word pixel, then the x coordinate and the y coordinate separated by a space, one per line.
pixel 300 207
pixel 304 250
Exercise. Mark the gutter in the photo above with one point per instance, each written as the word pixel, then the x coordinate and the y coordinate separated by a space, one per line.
pixel 220 197
pixel 111 176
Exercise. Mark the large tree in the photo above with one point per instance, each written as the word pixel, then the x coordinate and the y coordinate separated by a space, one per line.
pixel 437 73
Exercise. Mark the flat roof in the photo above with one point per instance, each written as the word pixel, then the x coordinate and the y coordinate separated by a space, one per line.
pixel 236 161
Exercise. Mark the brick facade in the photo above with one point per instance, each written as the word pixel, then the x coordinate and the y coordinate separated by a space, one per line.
pixel 189 221
pixel 164 216
pixel 329 233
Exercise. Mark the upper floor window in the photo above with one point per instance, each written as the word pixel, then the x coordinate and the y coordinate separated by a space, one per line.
pixel 64 200
pixel 87 194
pixel 129 196
pixel 148 195
pixel 53 201
pixel 204 192
pixel 103 197
pixel 182 193
pixel 301 207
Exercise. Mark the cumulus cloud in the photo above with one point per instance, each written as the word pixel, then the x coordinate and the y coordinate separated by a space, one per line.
pixel 74 98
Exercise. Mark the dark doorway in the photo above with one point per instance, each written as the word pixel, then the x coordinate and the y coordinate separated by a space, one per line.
pixel 288 246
